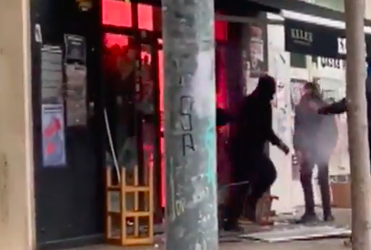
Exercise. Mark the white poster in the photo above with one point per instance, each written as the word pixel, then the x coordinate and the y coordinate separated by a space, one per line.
pixel 53 135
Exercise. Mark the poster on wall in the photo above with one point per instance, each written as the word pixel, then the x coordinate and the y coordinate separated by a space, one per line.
pixel 53 135
pixel 253 57
pixel 51 74
pixel 76 94
pixel 256 47
pixel 76 80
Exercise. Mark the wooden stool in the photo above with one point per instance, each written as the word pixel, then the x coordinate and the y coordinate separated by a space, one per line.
pixel 264 212
pixel 129 207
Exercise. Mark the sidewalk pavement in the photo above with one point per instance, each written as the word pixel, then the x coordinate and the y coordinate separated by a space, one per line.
pixel 343 217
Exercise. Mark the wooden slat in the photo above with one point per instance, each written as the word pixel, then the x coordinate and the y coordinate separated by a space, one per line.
pixel 113 188
pixel 130 189
pixel 130 241
pixel 136 201
pixel 151 205
pixel 111 213
pixel 136 214
pixel 123 205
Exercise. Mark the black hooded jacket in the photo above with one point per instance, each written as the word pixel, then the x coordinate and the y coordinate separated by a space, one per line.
pixel 254 121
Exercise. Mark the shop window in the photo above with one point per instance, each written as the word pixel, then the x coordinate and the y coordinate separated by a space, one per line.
pixel 298 60
pixel 337 5
pixel 145 17
pixel 111 40
pixel 116 13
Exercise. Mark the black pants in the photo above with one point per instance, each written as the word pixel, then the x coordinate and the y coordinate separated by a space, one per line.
pixel 306 174
pixel 261 173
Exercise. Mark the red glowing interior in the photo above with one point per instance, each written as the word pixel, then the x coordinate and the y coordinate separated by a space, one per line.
pixel 119 13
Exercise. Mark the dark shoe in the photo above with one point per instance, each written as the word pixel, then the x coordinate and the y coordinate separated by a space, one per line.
pixel 250 211
pixel 329 218
pixel 308 218
pixel 232 227
pixel 251 215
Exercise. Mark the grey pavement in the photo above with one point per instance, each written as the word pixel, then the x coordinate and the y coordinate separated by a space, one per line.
pixel 343 218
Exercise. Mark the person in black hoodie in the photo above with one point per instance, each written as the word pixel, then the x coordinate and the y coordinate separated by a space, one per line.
pixel 315 138
pixel 247 153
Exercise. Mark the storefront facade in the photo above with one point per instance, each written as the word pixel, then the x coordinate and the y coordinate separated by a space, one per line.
pixel 313 48
pixel 52 202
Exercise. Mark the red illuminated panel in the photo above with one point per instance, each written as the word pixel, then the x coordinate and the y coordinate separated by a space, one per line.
pixel 145 17
pixel 116 13
pixel 220 30
pixel 221 95
pixel 162 142
pixel 114 39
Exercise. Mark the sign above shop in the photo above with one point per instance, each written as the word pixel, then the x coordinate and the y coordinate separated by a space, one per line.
pixel 334 63
pixel 317 40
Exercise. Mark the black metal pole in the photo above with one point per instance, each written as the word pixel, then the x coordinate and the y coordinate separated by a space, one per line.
pixel 189 98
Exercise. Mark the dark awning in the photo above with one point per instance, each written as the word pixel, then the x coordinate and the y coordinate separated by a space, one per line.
pixel 273 6
pixel 305 8
pixel 318 40
pixel 222 5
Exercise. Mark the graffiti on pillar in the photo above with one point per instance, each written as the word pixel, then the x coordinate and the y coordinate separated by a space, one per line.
pixel 186 107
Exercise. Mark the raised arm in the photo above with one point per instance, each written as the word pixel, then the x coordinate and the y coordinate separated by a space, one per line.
pixel 334 108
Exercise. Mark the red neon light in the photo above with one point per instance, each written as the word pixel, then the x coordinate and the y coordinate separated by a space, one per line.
pixel 160 55
pixel 145 17
pixel 220 28
pixel 116 13
pixel 111 40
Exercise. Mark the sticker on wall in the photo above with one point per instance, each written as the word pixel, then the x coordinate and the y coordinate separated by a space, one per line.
pixel 53 136
pixel 75 49
pixel 38 34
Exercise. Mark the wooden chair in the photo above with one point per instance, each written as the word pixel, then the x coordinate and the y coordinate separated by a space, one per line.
pixel 129 207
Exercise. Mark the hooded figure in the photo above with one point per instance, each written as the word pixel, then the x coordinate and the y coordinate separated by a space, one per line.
pixel 315 139
pixel 247 152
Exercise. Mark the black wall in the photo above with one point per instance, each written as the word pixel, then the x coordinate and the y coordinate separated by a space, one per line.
pixel 70 199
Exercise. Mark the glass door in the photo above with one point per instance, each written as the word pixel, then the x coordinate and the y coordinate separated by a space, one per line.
pixel 130 70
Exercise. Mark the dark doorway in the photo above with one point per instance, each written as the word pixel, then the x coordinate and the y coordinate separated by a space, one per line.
pixel 131 79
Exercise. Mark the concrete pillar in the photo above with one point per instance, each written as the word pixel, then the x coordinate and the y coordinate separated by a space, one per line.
pixel 189 97
pixel 16 157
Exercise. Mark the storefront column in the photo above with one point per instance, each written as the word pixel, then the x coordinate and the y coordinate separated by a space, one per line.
pixel 16 157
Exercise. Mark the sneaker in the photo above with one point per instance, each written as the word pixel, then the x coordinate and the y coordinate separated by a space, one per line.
pixel 308 218
pixel 329 218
